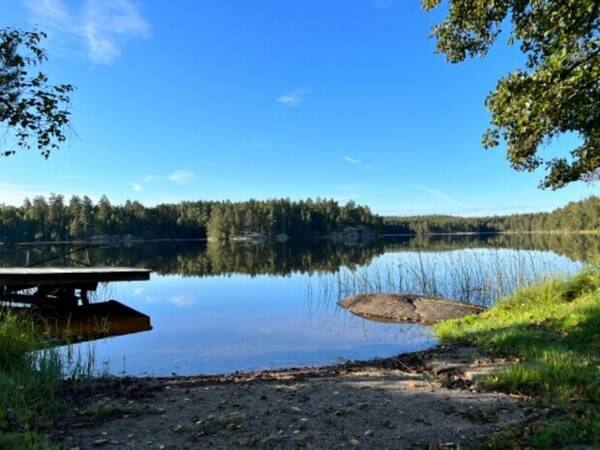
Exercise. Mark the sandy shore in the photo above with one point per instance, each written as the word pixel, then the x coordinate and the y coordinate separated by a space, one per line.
pixel 421 400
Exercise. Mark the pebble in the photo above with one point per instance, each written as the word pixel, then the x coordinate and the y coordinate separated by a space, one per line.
pixel 99 442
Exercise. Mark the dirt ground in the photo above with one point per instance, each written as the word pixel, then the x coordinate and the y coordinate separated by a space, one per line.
pixel 423 400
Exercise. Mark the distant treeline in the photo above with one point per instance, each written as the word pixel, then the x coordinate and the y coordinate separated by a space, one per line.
pixel 53 219
pixel 575 216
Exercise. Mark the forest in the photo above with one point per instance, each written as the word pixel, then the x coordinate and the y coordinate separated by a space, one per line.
pixel 54 219
pixel 581 215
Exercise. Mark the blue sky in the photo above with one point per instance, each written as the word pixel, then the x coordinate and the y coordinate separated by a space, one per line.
pixel 217 99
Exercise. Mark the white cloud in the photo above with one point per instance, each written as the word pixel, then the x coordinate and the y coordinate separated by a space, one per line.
pixel 293 98
pixel 358 162
pixel 14 194
pixel 100 27
pixel 137 187
pixel 181 176
pixel 439 195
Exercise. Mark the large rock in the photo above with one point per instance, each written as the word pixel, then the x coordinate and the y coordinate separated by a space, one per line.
pixel 406 308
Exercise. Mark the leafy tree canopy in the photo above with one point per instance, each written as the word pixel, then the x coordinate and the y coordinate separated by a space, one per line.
pixel 33 112
pixel 558 90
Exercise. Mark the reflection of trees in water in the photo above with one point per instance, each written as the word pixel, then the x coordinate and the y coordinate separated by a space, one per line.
pixel 577 247
pixel 202 259
pixel 206 259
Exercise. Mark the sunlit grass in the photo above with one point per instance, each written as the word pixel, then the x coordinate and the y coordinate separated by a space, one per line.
pixel 554 328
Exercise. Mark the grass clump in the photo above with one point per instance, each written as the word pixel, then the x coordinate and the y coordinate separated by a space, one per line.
pixel 554 329
pixel 28 382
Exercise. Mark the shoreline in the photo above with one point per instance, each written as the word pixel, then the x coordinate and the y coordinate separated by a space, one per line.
pixel 425 399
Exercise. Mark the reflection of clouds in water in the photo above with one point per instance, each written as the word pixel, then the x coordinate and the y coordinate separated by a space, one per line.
pixel 137 291
pixel 265 321
pixel 181 300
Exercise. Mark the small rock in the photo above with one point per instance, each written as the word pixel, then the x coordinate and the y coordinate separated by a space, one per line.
pixel 99 442
pixel 354 442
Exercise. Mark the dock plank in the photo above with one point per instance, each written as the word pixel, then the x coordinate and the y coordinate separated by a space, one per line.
pixel 39 276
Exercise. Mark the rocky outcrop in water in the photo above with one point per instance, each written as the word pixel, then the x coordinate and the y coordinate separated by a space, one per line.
pixel 406 308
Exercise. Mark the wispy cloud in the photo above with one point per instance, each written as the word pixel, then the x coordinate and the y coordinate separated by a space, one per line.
pixel 181 176
pixel 438 194
pixel 358 162
pixel 99 27
pixel 178 176
pixel 475 212
pixel 293 98
pixel 137 187
pixel 14 194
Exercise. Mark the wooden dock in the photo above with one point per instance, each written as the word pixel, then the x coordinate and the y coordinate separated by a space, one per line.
pixel 61 276
pixel 65 285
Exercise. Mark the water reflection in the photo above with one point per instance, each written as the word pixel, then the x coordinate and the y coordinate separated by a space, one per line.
pixel 219 308
pixel 74 324
pixel 200 258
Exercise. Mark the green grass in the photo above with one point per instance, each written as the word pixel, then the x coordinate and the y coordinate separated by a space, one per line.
pixel 554 329
pixel 28 385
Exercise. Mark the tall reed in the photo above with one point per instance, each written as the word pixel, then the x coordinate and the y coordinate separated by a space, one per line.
pixel 474 275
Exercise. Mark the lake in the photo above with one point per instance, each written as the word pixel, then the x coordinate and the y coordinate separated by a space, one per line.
pixel 222 308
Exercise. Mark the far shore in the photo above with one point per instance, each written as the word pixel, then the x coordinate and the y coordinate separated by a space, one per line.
pixel 158 240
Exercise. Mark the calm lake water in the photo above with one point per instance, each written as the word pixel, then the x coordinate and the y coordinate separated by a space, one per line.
pixel 219 309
